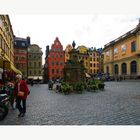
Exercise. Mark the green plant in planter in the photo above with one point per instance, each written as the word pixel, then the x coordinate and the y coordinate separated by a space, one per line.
pixel 79 87
pixel 66 88
pixel 101 85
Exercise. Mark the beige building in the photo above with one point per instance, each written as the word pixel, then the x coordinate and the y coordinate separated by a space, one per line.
pixel 34 68
pixel 122 55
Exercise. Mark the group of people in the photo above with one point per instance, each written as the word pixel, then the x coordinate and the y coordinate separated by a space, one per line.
pixel 20 92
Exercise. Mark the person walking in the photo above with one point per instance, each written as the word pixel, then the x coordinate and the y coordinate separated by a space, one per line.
pixel 20 93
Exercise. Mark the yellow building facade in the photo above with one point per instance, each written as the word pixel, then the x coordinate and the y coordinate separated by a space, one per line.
pixel 67 50
pixel 83 55
pixel 6 45
pixel 94 62
pixel 122 55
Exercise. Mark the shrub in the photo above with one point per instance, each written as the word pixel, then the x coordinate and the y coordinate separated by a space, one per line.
pixel 79 87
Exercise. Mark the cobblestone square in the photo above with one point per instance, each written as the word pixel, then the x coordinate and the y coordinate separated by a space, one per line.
pixel 118 104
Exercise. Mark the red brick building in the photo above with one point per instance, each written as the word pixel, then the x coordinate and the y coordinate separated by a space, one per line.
pixel 56 60
pixel 20 54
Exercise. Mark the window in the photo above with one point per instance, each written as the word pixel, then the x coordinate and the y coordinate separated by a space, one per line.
pixel 115 50
pixel 59 50
pixel 61 55
pixel 90 59
pixel 90 64
pixel 29 56
pixel 34 72
pixel 57 63
pixel 57 71
pixel 90 70
pixel 123 47
pixel 22 58
pixel 52 63
pixel 94 64
pixel 133 46
pixel 54 49
pixel 39 64
pixel 30 64
pixel 23 44
pixel 22 51
pixel 52 56
pixel 56 55
pixel 124 68
pixel 61 63
pixel 52 71
pixel 34 56
pixel 39 72
pixel 133 66
pixel 107 53
pixel 34 64
pixel 30 72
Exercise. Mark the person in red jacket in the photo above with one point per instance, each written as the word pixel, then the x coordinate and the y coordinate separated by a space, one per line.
pixel 21 87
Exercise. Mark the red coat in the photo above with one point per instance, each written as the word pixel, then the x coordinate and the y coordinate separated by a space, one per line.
pixel 23 88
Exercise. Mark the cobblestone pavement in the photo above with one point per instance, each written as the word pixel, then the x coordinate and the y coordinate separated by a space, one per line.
pixel 119 104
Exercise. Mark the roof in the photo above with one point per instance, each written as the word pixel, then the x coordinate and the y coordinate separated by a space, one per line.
pixel 124 36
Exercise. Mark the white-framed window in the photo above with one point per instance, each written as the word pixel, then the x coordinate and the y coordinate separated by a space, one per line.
pixel 108 53
pixel 23 44
pixel 115 50
pixel 123 48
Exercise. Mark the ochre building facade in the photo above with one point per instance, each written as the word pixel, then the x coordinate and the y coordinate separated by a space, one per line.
pixel 122 55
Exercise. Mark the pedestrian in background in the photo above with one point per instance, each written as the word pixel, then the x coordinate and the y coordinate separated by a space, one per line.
pixel 20 93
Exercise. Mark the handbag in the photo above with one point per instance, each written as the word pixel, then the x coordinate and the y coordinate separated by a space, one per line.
pixel 20 93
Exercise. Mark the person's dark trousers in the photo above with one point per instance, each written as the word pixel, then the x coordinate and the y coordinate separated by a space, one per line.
pixel 22 109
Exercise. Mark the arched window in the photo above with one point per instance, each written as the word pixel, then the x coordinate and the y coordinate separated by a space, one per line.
pixel 133 66
pixel 124 69
pixel 116 68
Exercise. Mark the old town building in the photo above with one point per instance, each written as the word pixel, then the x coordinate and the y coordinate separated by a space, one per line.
pixel 67 50
pixel 7 49
pixel 34 62
pixel 55 61
pixel 83 55
pixel 20 54
pixel 94 56
pixel 122 55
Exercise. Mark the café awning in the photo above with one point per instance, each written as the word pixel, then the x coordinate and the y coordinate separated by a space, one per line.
pixel 16 70
pixel 9 66
pixel 35 77
pixel 87 75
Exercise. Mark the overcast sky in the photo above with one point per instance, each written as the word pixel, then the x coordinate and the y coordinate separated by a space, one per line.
pixel 88 30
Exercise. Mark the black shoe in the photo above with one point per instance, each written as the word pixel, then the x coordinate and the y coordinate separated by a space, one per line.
pixel 23 114
pixel 19 115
